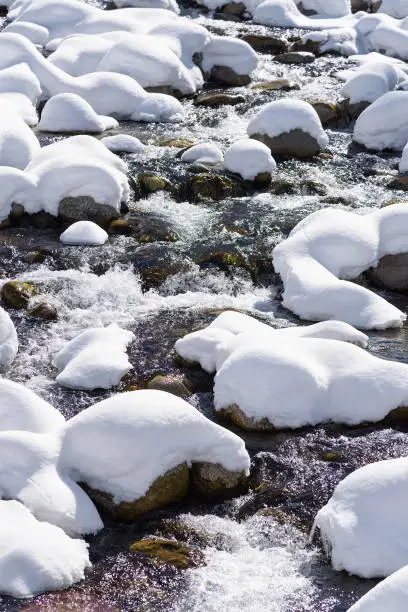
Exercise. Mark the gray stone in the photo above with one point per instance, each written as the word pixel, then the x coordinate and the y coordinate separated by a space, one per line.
pixel 295 143
pixel 296 57
pixel 85 208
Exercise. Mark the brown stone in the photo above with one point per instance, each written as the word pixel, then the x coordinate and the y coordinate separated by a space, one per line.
pixel 391 272
pixel 296 57
pixel 238 417
pixel 278 85
pixel 17 294
pixel 224 75
pixel 266 44
pixel 44 311
pixel 211 481
pixel 296 143
pixel 169 383
pixel 169 552
pixel 216 100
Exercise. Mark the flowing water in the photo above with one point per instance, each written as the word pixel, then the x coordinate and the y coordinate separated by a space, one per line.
pixel 255 559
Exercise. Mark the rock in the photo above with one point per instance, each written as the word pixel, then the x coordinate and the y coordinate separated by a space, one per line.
pixel 235 414
pixel 150 183
pixel 312 187
pixel 37 256
pixel 120 226
pixel 400 182
pixel 295 57
pixel 177 143
pixel 391 272
pixel 166 490
pixel 223 259
pixel 307 46
pixel 295 143
pixel 266 44
pixel 278 85
pixel 84 208
pixel 17 294
pixel 211 481
pixel 169 383
pixel 44 311
pixel 283 517
pixel 330 113
pixel 206 186
pixel 355 110
pixel 170 552
pixel 224 75
pixel 220 99
pixel 283 186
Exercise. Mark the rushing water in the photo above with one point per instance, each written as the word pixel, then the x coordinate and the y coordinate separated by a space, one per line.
pixel 254 560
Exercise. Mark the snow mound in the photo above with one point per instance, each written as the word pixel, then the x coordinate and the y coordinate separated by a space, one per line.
pixel 363 524
pixel 394 8
pixel 29 474
pixel 36 556
pixel 327 248
pixel 95 359
pixel 170 5
pixel 70 113
pixel 371 81
pixel 390 594
pixel 21 79
pixel 295 382
pixel 123 444
pixel 21 409
pixel 382 125
pixel 84 233
pixel 229 52
pixel 403 165
pixel 8 339
pixel 18 143
pixel 122 143
pixel 204 153
pixel 248 158
pixel 212 345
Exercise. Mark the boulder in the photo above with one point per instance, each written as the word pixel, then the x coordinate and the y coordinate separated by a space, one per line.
pixel 238 417
pixel 44 311
pixel 84 208
pixel 277 85
pixel 295 143
pixel 213 482
pixel 169 552
pixel 169 383
pixel 206 186
pixel 224 75
pixel 391 272
pixel 266 43
pixel 17 294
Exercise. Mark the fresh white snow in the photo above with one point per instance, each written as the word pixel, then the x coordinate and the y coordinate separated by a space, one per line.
pixel 204 153
pixel 8 339
pixel 70 113
pixel 84 233
pixel 248 158
pixel 122 143
pixel 390 594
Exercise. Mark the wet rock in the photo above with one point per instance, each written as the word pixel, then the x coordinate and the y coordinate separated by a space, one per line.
pixel 170 552
pixel 44 311
pixel 296 57
pixel 84 208
pixel 295 143
pixel 217 100
pixel 283 186
pixel 206 186
pixel 266 43
pixel 120 226
pixel 165 89
pixel 400 182
pixel 17 294
pixel 238 417
pixel 166 490
pixel 391 272
pixel 284 517
pixel 277 85
pixel 177 143
pixel 331 457
pixel 5 224
pixel 398 416
pixel 308 46
pixel 37 256
pixel 224 75
pixel 153 274
pixel 223 259
pixel 330 113
pixel 169 383
pixel 355 110
pixel 212 481
pixel 151 183
pixel 312 187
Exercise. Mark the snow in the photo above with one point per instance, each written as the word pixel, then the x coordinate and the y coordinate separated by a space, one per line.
pixel 363 524
pixel 382 125
pixel 95 359
pixel 18 144
pixel 84 233
pixel 70 113
pixel 212 345
pixel 328 8
pixel 21 79
pixel 286 115
pixel 29 474
pixel 122 143
pixel 21 409
pixel 248 158
pixel 230 52
pixel 203 153
pixel 331 245
pixel 170 5
pixel 36 556
pixel 371 81
pixel 390 594
pixel 123 444
pixel 8 339
pixel 394 8
pixel 294 382
pixel 403 165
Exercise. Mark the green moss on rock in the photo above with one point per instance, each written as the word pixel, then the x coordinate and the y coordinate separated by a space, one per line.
pixel 169 551
pixel 17 294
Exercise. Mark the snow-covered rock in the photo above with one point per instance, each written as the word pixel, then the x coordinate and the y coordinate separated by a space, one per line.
pixel 363 524
pixel 383 125
pixel 327 8
pixel 267 382
pixel 95 359
pixel 21 409
pixel 371 81
pixel 8 339
pixel 21 79
pixel 84 233
pixel 403 165
pixel 29 474
pixel 328 248
pixel 123 445
pixel 203 153
pixel 70 113
pixel 289 127
pixel 170 5
pixel 390 594
pixel 122 143
pixel 36 556
pixel 394 8
pixel 249 159
pixel 18 143
pixel 229 61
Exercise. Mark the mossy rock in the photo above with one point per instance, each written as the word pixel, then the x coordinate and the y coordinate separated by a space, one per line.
pixel 311 187
pixel 169 552
pixel 44 311
pixel 177 143
pixel 224 260
pixel 283 186
pixel 17 294
pixel 238 417
pixel 277 85
pixel 37 256
pixel 213 187
pixel 170 384
pixel 151 183
pixel 211 481
pixel 166 490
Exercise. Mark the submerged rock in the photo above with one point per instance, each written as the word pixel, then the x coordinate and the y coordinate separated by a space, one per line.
pixel 202 187
pixel 44 311
pixel 169 551
pixel 150 183
pixel 17 294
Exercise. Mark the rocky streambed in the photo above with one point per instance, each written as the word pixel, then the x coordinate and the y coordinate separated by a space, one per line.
pixel 193 243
